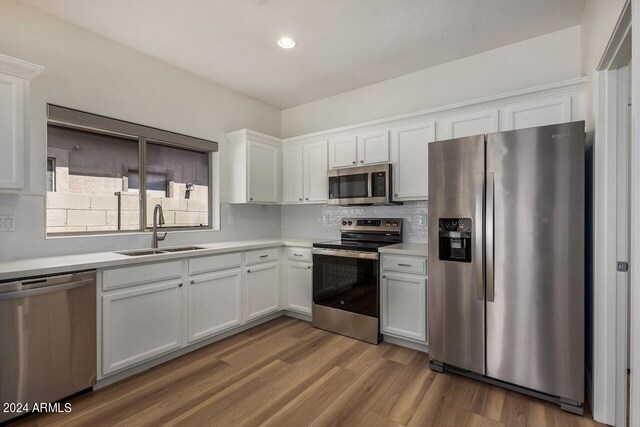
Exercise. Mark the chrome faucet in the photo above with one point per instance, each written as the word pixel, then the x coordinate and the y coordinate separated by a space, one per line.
pixel 158 219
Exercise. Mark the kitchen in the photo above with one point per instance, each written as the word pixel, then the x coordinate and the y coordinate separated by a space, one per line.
pixel 304 133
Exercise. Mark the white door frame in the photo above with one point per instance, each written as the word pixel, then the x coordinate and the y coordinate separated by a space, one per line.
pixel 611 219
pixel 634 283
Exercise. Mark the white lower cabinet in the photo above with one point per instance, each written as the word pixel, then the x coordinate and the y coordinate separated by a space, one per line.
pixel 262 286
pixel 404 304
pixel 141 323
pixel 298 287
pixel 215 303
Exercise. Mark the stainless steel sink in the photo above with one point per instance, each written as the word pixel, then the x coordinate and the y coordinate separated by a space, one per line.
pixel 182 249
pixel 142 252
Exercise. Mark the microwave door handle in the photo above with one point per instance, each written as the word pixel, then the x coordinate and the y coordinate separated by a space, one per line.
pixel 369 178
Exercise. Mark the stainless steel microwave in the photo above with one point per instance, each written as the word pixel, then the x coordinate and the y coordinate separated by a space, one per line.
pixel 362 185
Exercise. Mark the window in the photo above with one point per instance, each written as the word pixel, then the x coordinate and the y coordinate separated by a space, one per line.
pixel 94 183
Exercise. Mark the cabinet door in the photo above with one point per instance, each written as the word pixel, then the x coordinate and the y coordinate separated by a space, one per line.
pixel 12 133
pixel 299 276
pixel 262 170
pixel 410 159
pixel 214 303
pixel 343 152
pixel 537 113
pixel 404 306
pixel 315 172
pixel 140 324
pixel 373 147
pixel 292 173
pixel 262 290
pixel 475 123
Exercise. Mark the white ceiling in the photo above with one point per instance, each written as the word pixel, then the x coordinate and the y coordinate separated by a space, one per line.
pixel 341 44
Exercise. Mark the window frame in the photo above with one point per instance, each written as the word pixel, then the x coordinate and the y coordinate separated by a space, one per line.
pixel 80 120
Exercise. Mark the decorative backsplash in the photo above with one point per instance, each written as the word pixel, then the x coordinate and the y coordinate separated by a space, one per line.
pixel 324 220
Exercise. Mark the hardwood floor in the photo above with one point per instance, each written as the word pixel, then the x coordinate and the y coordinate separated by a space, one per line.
pixel 287 373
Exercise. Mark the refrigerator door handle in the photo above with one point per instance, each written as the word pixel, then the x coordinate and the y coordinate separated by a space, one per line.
pixel 479 261
pixel 490 227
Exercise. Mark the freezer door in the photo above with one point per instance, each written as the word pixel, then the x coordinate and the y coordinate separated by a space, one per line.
pixel 455 292
pixel 535 258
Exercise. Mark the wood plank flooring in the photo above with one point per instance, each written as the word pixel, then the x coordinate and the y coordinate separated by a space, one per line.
pixel 287 373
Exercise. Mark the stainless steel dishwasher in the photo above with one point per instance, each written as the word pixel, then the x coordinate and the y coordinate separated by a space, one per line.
pixel 47 338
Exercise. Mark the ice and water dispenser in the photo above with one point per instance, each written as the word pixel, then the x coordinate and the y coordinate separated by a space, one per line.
pixel 455 239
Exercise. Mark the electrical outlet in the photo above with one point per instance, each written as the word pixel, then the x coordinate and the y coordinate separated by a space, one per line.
pixel 7 223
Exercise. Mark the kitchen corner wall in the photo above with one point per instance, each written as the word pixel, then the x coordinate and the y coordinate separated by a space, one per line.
pixel 88 72
pixel 323 221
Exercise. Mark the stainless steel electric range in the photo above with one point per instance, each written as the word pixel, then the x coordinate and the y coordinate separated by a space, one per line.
pixel 346 284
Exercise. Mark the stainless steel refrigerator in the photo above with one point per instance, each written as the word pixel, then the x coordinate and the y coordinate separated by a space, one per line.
pixel 506 260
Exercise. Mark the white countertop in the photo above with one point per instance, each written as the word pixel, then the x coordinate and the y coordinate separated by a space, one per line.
pixel 66 263
pixel 416 249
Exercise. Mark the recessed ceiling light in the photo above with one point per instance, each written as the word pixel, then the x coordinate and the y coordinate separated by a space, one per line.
pixel 286 42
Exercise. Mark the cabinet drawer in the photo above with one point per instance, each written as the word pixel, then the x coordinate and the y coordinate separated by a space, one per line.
pixel 263 255
pixel 405 264
pixel 299 254
pixel 141 274
pixel 214 262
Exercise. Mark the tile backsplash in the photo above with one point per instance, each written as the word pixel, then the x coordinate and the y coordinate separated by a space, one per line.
pixel 323 221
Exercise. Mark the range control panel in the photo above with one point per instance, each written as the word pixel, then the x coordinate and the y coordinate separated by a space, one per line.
pixel 371 224
pixel 455 239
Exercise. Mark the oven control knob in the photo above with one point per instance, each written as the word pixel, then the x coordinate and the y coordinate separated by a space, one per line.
pixel 388 224
pixel 350 223
pixel 395 224
pixel 344 222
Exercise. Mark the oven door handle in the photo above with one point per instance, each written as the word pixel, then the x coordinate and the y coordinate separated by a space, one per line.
pixel 347 254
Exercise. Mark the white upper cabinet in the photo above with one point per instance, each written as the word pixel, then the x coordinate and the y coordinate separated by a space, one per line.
pixel 14 122
pixel 343 152
pixel 373 147
pixel 254 162
pixel 359 150
pixel 292 173
pixel 410 160
pixel 315 172
pixel 474 123
pixel 304 172
pixel 540 112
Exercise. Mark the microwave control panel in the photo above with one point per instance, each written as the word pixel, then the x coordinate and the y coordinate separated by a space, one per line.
pixel 378 184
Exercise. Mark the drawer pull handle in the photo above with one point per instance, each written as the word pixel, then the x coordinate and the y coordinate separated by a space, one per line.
pixel 297 254
pixel 264 256
pixel 405 265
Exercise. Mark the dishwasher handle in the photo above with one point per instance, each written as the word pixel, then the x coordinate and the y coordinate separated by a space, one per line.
pixel 45 285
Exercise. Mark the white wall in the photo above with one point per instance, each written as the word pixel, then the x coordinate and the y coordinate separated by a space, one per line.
pixel 598 21
pixel 546 59
pixel 91 73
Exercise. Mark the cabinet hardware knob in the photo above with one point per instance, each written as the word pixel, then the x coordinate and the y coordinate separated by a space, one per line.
pixel 307 198
pixel 354 162
pixel 250 198
pixel 248 271
pixel 300 199
pixel 384 277
pixel 193 282
pixel 395 194
pixel 180 285
pixel 361 161
pixel 308 267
